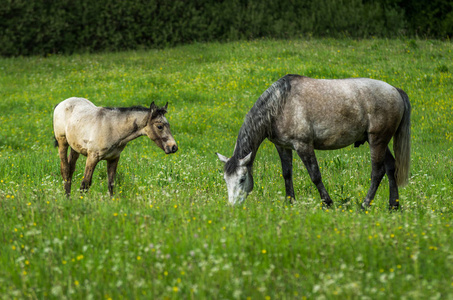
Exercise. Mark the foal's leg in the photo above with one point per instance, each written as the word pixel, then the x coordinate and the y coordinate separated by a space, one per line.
pixel 378 154
pixel 111 171
pixel 73 156
pixel 286 157
pixel 393 187
pixel 92 161
pixel 64 165
pixel 307 154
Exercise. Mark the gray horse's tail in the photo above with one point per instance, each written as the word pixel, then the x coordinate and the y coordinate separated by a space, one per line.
pixel 402 144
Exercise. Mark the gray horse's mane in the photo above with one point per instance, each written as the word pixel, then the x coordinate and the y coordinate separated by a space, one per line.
pixel 257 123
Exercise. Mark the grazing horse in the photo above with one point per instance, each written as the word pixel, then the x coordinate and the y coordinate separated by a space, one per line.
pixel 101 133
pixel 303 114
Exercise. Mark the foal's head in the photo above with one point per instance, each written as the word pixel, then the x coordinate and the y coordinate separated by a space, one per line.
pixel 238 177
pixel 158 129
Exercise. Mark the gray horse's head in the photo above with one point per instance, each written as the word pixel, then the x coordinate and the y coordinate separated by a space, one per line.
pixel 238 177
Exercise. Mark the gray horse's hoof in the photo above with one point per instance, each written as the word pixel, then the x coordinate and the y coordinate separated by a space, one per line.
pixel 365 205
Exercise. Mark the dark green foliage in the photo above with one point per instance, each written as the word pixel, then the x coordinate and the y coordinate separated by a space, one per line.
pixel 428 17
pixel 65 26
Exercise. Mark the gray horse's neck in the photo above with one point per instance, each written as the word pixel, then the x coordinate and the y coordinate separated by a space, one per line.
pixel 249 140
pixel 258 122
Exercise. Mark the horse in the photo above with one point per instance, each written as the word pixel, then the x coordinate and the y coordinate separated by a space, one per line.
pixel 305 114
pixel 101 133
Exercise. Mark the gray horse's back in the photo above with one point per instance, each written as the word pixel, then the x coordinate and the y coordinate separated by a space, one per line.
pixel 335 113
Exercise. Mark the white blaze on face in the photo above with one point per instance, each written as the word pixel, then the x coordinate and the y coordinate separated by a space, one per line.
pixel 240 183
pixel 236 186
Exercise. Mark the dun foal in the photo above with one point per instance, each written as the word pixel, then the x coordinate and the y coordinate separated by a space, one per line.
pixel 101 133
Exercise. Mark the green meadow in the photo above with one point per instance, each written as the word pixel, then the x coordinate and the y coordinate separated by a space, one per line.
pixel 168 232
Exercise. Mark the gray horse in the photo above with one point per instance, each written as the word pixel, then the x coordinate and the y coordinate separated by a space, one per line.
pixel 303 114
pixel 101 133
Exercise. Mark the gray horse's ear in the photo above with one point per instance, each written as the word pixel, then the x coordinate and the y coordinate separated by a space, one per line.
pixel 245 161
pixel 222 158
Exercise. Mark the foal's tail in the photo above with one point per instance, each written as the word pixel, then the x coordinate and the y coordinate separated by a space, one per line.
pixel 402 143
pixel 55 142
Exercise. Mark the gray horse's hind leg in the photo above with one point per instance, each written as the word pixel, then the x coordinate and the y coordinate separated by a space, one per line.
pixel 91 163
pixel 111 171
pixel 286 157
pixel 378 154
pixel 307 154
pixel 393 187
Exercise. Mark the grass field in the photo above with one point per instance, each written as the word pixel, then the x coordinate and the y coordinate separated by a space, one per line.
pixel 168 233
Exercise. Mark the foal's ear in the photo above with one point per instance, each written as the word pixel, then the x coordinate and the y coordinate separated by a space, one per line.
pixel 152 110
pixel 222 158
pixel 166 106
pixel 245 161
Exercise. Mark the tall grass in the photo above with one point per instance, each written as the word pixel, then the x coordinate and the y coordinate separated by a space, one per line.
pixel 168 232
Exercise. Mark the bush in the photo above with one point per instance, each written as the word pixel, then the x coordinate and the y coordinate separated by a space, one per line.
pixel 65 26
pixel 428 18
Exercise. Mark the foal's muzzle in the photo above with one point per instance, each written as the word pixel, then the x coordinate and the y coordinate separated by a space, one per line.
pixel 171 149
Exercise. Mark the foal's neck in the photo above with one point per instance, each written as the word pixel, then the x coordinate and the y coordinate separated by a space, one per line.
pixel 134 124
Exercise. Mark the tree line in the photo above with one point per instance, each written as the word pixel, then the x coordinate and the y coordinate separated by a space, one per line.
pixel 65 26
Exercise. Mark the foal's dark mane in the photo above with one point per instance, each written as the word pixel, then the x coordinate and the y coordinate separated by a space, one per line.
pixel 257 123
pixel 130 108
pixel 157 112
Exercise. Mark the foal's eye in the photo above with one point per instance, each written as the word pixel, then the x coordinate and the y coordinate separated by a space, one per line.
pixel 160 127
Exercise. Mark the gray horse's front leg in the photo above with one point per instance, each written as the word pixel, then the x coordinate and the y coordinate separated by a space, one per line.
pixel 111 171
pixel 91 163
pixel 307 154
pixel 286 158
